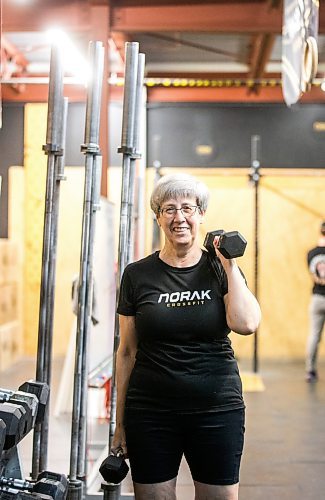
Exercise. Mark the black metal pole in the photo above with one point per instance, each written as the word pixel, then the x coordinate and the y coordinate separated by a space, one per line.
pixel 255 178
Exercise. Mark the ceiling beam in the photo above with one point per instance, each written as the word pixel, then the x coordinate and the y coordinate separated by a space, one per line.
pixel 260 54
pixel 11 54
pixel 39 93
pixel 138 3
pixel 229 17
pixel 171 39
pixel 255 49
pixel 225 18
pixel 265 54
pixel 119 40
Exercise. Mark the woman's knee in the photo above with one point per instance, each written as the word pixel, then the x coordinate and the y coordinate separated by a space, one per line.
pixel 216 492
pixel 157 491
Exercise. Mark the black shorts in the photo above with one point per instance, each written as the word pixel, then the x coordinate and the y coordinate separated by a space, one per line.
pixel 212 443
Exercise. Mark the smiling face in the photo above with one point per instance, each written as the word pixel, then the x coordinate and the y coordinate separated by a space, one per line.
pixel 180 228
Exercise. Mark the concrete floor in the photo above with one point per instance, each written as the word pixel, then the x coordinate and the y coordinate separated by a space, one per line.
pixel 284 457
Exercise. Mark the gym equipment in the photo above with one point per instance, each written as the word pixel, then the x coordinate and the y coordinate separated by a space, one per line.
pixel 93 167
pixel 299 47
pixel 41 391
pixel 254 177
pixel 28 401
pixel 231 244
pixel 114 469
pixel 22 495
pixel 17 421
pixel 48 484
pixel 53 484
pixel 133 83
pixel 2 435
pixel 54 149
pixel 15 484
pixel 20 410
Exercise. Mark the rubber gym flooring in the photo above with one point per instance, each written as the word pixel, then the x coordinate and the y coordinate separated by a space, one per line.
pixel 284 457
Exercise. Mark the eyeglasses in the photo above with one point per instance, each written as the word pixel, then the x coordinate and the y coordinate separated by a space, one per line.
pixel 187 211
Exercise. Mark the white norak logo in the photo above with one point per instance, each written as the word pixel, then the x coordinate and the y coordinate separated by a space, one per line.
pixel 189 298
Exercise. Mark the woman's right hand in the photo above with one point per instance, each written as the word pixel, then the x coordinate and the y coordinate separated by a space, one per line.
pixel 119 442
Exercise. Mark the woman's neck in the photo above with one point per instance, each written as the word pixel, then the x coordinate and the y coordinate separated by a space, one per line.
pixel 180 257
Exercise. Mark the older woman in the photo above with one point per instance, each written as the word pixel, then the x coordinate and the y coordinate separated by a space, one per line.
pixel 178 386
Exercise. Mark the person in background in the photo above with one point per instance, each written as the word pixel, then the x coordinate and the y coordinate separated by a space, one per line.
pixel 316 266
pixel 178 385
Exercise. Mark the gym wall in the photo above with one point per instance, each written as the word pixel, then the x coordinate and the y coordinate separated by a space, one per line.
pixel 290 210
pixel 291 207
pixel 219 135
pixel 12 153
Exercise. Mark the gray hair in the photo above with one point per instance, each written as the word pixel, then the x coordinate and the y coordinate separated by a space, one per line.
pixel 178 186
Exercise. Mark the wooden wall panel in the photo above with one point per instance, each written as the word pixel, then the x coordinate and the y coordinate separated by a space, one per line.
pixel 35 177
pixel 292 209
pixel 16 188
pixel 69 234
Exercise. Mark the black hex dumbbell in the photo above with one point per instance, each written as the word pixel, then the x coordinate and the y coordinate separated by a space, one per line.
pixel 231 244
pixel 114 469
pixel 50 485
pixel 53 484
pixel 12 494
pixel 17 419
pixel 27 400
pixel 2 435
pixel 41 391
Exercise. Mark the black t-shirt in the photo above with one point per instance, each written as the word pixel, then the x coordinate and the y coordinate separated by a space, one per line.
pixel 184 360
pixel 316 263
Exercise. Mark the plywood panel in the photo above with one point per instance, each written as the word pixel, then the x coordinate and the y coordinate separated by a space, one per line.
pixel 292 209
pixel 16 196
pixel 69 234
pixel 35 175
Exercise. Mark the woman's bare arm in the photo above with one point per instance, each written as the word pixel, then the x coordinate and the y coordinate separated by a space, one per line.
pixel 125 360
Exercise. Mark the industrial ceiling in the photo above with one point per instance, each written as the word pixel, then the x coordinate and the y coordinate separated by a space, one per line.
pixel 195 50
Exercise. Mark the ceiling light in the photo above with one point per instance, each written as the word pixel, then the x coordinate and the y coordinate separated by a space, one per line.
pixel 73 61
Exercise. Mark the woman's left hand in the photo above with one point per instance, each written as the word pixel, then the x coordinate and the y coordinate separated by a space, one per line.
pixel 226 263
